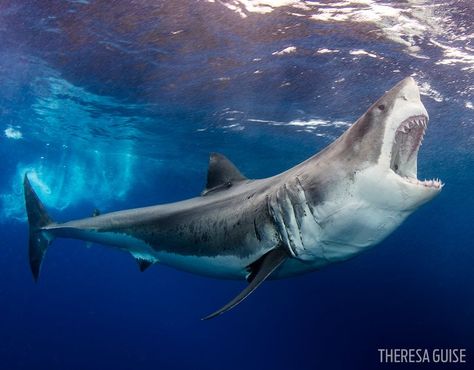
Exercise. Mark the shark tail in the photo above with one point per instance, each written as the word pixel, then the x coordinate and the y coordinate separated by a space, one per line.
pixel 39 239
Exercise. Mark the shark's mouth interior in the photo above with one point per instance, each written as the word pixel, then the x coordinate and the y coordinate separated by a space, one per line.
pixel 408 139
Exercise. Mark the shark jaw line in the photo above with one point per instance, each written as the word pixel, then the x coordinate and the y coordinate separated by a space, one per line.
pixel 407 141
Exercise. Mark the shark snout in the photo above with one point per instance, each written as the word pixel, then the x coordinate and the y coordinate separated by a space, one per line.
pixel 408 90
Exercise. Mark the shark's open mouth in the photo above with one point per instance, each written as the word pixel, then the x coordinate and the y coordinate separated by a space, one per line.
pixel 408 139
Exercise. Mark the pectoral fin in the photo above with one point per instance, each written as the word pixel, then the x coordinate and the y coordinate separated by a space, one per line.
pixel 267 264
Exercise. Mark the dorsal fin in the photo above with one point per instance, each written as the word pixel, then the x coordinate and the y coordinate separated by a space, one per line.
pixel 221 174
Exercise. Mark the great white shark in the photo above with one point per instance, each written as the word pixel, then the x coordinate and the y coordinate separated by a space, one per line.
pixel 329 208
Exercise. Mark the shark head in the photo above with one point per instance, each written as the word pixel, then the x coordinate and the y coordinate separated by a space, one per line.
pixel 364 185
pixel 386 140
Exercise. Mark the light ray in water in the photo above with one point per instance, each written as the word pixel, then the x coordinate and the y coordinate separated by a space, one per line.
pixel 95 177
pixel 78 161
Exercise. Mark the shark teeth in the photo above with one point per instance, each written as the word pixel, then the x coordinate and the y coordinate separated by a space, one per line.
pixel 414 122
pixel 414 127
pixel 408 139
pixel 434 183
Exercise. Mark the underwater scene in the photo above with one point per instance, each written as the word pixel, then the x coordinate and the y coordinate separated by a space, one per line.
pixel 115 105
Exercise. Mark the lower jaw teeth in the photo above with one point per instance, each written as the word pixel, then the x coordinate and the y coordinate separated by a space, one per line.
pixel 436 183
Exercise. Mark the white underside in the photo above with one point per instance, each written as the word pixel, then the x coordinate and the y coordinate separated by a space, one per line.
pixel 221 267
pixel 226 267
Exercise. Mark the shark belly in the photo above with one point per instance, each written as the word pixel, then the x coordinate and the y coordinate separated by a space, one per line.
pixel 350 226
pixel 223 266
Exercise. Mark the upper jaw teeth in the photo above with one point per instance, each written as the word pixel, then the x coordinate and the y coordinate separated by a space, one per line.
pixel 408 124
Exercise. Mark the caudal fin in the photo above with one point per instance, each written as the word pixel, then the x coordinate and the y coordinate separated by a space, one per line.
pixel 37 219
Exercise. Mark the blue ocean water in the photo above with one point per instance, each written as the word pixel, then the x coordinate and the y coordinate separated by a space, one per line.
pixel 113 105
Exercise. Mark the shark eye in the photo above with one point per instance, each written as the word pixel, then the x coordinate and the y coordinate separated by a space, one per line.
pixel 381 107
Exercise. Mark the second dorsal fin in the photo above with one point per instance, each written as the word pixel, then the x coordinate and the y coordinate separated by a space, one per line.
pixel 143 264
pixel 222 174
